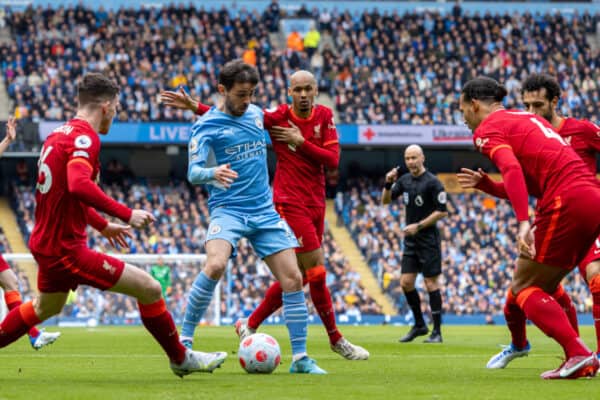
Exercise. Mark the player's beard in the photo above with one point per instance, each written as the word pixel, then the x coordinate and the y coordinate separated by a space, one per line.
pixel 231 108
pixel 547 115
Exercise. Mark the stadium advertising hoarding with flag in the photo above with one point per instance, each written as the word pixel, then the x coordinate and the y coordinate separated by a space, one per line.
pixel 390 135
pixel 366 135
pixel 166 133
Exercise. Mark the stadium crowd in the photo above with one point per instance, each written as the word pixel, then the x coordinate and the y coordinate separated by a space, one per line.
pixel 377 67
pixel 182 220
pixel 477 249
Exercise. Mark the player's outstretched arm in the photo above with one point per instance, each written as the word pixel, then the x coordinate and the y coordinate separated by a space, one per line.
pixel 96 220
pixel 11 134
pixel 117 234
pixel 182 100
pixel 470 179
pixel 514 182
pixel 80 184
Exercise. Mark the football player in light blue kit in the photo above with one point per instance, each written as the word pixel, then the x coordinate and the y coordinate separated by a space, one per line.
pixel 240 204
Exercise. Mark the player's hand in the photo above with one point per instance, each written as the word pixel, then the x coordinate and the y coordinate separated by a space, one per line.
pixel 392 175
pixel 525 240
pixel 411 229
pixel 225 175
pixel 292 135
pixel 469 179
pixel 116 234
pixel 180 99
pixel 140 219
pixel 11 130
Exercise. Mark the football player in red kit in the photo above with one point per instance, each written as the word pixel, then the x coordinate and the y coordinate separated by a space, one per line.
pixel 534 159
pixel 66 202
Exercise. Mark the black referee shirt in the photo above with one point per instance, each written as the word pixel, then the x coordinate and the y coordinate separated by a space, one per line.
pixel 421 196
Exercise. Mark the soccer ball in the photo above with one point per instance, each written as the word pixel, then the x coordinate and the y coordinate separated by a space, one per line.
pixel 259 354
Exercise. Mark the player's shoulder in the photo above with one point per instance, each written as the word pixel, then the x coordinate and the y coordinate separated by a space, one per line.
pixel 79 133
pixel 323 111
pixel 278 113
pixel 281 109
pixel 574 125
pixel 431 176
pixel 253 109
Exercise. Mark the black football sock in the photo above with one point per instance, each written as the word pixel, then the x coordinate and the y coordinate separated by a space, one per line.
pixel 414 301
pixel 435 302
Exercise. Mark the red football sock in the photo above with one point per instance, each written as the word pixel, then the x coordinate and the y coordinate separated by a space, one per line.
pixel 271 303
pixel 515 320
pixel 564 300
pixel 595 289
pixel 321 298
pixel 546 314
pixel 12 300
pixel 18 321
pixel 159 322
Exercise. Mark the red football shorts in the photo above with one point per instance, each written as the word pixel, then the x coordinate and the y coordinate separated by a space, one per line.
pixel 3 264
pixel 81 266
pixel 307 223
pixel 567 227
pixel 592 255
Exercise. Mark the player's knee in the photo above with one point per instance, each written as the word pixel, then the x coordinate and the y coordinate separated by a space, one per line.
pixel 316 274
pixel 152 291
pixel 9 282
pixel 291 280
pixel 431 284
pixel 408 285
pixel 592 271
pixel 214 269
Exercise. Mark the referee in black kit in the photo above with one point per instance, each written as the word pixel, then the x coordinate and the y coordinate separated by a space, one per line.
pixel 425 200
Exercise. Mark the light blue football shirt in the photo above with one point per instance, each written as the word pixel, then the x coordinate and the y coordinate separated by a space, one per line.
pixel 218 138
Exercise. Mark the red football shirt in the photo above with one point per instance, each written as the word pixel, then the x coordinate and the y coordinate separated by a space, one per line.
pixel 300 172
pixel 60 216
pixel 527 151
pixel 584 138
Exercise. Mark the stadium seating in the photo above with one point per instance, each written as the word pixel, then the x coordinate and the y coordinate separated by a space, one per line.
pixel 378 67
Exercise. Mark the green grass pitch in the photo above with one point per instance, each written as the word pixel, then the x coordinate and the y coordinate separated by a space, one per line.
pixel 125 363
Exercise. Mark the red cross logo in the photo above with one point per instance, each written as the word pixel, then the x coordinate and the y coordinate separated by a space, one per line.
pixel 369 134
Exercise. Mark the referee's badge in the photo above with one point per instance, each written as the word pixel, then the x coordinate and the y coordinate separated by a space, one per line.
pixel 419 200
pixel 442 197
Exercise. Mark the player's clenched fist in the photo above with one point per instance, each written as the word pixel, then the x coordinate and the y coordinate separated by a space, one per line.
pixel 225 175
pixel 140 219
